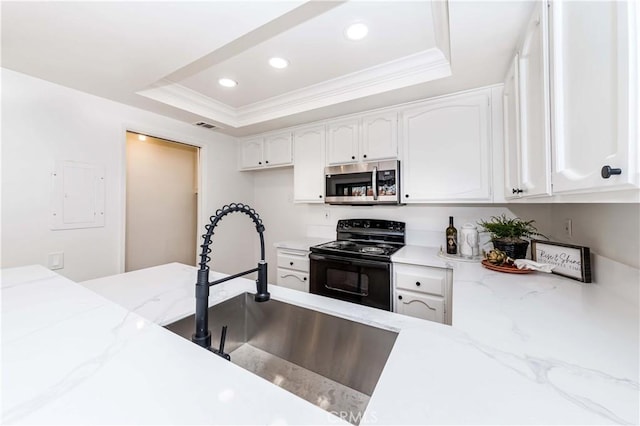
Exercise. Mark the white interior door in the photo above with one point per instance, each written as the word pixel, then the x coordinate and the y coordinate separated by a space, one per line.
pixel 161 214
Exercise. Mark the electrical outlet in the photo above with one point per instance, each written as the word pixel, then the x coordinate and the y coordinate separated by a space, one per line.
pixel 567 228
pixel 55 260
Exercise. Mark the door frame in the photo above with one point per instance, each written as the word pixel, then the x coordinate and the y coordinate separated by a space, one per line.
pixel 170 136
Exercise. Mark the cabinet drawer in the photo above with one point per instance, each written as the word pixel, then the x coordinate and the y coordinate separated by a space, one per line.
pixel 294 280
pixel 295 261
pixel 423 280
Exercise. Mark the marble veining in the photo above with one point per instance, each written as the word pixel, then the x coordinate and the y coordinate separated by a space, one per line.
pixel 539 370
pixel 78 373
pixel 527 349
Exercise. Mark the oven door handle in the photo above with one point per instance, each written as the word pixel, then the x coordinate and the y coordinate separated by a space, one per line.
pixel 350 261
pixel 313 256
pixel 346 291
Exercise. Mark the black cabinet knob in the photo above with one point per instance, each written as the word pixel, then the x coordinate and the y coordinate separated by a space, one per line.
pixel 304 279
pixel 364 156
pixel 353 157
pixel 418 283
pixel 319 196
pixel 266 162
pixel 516 191
pixel 406 195
pixel 291 263
pixel 259 162
pixel 607 171
pixel 400 297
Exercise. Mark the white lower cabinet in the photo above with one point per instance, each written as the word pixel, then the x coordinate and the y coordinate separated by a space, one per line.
pixel 423 292
pixel 420 306
pixel 293 279
pixel 293 269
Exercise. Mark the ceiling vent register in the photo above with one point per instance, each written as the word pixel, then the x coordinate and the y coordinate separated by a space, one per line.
pixel 205 125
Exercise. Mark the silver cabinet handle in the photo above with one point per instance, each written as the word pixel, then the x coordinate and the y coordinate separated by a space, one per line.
pixel 295 276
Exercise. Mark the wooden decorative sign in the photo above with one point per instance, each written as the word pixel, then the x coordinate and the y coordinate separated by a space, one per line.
pixel 570 261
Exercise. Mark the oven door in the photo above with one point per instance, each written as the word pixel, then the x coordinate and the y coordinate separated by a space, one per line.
pixel 365 282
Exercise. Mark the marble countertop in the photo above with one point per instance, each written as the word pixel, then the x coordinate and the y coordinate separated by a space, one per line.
pixel 523 349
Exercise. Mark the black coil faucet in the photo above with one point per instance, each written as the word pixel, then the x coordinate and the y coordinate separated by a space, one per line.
pixel 202 336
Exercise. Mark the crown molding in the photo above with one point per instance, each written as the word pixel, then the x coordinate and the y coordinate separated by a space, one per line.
pixel 178 96
pixel 418 68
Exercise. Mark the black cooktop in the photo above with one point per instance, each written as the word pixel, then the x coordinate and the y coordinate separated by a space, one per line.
pixel 365 238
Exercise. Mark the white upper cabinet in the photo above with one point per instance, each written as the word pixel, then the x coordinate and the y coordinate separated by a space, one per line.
pixel 251 153
pixel 511 127
pixel 527 116
pixel 370 138
pixel 277 150
pixel 266 151
pixel 594 81
pixel 343 142
pixel 308 165
pixel 379 137
pixel 446 149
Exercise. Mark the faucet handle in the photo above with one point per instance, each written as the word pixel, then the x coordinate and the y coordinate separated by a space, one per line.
pixel 220 350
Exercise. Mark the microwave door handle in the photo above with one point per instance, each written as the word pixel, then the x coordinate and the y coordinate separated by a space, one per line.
pixel 374 178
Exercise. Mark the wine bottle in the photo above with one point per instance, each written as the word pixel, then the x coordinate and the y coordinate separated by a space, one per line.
pixel 452 238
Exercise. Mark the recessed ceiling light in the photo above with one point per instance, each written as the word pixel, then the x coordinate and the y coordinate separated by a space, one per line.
pixel 227 82
pixel 356 31
pixel 278 63
pixel 142 138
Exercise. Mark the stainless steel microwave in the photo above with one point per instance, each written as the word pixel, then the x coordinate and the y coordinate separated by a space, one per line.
pixel 363 183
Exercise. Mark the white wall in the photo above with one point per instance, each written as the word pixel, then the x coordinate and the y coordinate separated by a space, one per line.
pixel 286 220
pixel 43 122
pixel 611 230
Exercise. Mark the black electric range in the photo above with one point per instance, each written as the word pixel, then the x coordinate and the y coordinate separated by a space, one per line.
pixel 357 266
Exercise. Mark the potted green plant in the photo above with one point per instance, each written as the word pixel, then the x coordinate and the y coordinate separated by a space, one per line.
pixel 507 234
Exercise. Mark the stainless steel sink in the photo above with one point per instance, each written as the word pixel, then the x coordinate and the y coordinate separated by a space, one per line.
pixel 323 346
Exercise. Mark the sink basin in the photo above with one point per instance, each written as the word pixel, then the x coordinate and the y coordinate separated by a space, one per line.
pixel 329 361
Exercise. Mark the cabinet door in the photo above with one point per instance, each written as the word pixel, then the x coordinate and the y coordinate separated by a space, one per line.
pixel 535 142
pixel 251 153
pixel 308 165
pixel 594 82
pixel 292 279
pixel 342 142
pixel 511 125
pixel 277 150
pixel 447 154
pixel 379 137
pixel 420 306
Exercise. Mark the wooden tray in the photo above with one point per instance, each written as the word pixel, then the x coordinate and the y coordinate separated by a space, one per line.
pixel 511 269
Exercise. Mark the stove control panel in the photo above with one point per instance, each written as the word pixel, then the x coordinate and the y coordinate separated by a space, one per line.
pixel 370 224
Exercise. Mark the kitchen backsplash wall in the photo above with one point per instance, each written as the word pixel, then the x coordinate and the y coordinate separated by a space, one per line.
pixel 286 220
pixel 611 230
pixel 44 122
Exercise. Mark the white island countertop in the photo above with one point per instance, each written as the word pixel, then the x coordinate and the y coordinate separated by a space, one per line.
pixel 530 349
